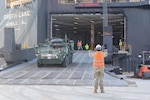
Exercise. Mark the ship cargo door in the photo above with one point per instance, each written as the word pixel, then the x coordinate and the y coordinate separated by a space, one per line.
pixel 80 27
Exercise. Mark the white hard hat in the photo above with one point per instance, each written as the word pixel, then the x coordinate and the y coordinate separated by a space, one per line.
pixel 98 47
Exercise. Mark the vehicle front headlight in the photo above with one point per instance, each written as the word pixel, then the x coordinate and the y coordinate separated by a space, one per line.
pixel 56 57
pixel 139 55
pixel 52 56
pixel 38 51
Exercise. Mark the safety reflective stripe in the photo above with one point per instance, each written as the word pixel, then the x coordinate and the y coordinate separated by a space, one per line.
pixel 99 61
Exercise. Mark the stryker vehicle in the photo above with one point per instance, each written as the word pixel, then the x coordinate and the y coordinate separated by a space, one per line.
pixel 55 51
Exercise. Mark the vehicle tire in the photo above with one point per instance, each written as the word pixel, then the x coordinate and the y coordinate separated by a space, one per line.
pixel 25 60
pixel 38 64
pixel 144 76
pixel 65 62
pixel 137 70
pixel 71 58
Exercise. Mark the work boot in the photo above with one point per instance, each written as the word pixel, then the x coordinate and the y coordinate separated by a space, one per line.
pixel 102 91
pixel 95 91
pixel 101 88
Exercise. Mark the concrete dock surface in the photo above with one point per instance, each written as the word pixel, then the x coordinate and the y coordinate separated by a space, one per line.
pixel 28 82
pixel 62 92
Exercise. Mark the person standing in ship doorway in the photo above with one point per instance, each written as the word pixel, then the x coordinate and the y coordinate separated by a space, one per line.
pixel 79 45
pixel 86 46
pixel 120 44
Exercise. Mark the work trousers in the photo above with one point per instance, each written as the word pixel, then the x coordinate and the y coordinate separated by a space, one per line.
pixel 80 48
pixel 98 78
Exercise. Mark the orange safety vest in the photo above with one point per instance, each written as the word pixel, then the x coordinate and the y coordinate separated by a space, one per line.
pixel 98 60
pixel 79 43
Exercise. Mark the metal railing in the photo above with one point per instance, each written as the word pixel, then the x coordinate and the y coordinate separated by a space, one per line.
pixel 98 1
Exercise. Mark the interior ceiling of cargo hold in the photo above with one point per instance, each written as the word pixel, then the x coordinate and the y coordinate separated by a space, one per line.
pixel 78 26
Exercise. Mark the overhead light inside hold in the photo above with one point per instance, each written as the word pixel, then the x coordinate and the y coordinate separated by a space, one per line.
pixel 53 19
pixel 121 22
pixel 75 27
pixel 98 14
pixel 102 17
pixel 92 21
pixel 76 18
pixel 75 23
pixel 99 33
pixel 57 29
pixel 56 25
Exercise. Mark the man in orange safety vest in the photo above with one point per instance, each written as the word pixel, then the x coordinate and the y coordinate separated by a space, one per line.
pixel 98 66
pixel 79 45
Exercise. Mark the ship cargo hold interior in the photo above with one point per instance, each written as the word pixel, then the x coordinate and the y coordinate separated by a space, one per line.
pixel 78 27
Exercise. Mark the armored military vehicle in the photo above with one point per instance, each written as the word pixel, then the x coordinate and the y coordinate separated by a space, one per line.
pixel 55 51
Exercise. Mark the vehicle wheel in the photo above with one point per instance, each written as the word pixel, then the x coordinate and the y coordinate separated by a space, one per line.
pixel 65 62
pixel 38 64
pixel 25 60
pixel 143 76
pixel 71 58
pixel 137 70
